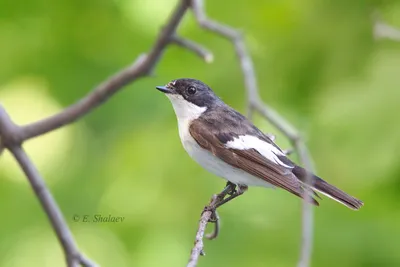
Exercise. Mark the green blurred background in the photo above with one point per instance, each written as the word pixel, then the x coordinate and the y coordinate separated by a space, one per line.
pixel 317 63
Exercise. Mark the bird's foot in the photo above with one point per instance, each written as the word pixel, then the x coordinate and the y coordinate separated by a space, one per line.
pixel 214 216
pixel 241 189
pixel 230 188
pixel 230 192
pixel 213 209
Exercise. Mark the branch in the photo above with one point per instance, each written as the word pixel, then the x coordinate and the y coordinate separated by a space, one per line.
pixel 382 30
pixel 206 55
pixel 72 254
pixel 255 103
pixel 198 249
pixel 142 67
pixel 12 136
pixel 385 31
pixel 233 36
pixel 209 214
pixel 300 148
pixel 74 257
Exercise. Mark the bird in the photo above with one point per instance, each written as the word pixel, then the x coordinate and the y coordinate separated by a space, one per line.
pixel 227 144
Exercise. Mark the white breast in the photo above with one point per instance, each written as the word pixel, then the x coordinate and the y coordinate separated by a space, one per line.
pixel 185 112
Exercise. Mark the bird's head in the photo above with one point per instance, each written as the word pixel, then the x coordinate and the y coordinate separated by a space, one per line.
pixel 189 97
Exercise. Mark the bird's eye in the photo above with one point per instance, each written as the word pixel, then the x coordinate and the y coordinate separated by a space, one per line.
pixel 191 90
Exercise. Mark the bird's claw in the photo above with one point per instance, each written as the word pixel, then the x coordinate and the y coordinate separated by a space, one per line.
pixel 241 189
pixel 232 188
pixel 212 209
pixel 213 217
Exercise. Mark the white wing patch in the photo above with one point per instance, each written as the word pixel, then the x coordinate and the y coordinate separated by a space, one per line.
pixel 268 150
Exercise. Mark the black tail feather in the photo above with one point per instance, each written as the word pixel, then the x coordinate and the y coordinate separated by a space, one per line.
pixel 329 190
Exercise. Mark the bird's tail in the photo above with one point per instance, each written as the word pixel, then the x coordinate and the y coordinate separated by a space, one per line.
pixel 328 190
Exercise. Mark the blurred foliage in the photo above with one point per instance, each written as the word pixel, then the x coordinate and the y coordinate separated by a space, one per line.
pixel 317 64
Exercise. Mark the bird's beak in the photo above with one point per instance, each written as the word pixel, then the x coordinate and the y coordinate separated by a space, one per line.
pixel 165 89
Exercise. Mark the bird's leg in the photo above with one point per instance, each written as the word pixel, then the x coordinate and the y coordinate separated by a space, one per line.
pixel 241 189
pixel 217 201
pixel 230 189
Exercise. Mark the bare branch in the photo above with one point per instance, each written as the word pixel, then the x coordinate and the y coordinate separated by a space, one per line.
pixel 206 55
pixel 74 257
pixel 198 249
pixel 307 210
pixel 256 104
pixel 385 31
pixel 236 38
pixel 209 214
pixel 72 254
pixel 12 136
pixel 382 30
pixel 288 152
pixel 142 67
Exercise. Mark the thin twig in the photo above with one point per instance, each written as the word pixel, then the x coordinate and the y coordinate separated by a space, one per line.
pixel 256 104
pixel 142 67
pixel 194 47
pixel 12 136
pixel 386 31
pixel 72 254
pixel 52 210
pixel 209 214
pixel 198 249
pixel 236 38
pixel 382 30
pixel 292 134
pixel 288 152
pixel 307 210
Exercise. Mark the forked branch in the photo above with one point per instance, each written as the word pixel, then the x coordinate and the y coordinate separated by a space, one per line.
pixel 12 136
pixel 255 103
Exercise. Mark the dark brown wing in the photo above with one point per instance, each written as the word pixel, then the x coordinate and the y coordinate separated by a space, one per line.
pixel 249 160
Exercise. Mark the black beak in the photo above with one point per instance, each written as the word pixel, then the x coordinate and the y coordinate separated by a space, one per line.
pixel 165 90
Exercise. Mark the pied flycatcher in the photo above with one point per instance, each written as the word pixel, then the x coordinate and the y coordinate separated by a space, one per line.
pixel 227 144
